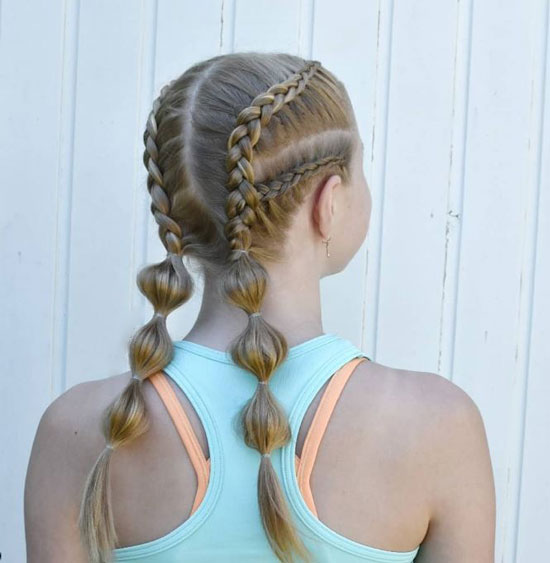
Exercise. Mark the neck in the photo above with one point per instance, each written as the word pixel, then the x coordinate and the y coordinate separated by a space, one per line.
pixel 292 305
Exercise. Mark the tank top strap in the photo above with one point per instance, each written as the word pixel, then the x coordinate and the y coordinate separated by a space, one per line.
pixel 185 430
pixel 316 431
pixel 337 363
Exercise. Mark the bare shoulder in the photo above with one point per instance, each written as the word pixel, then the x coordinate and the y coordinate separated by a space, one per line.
pixel 431 403
pixel 69 436
pixel 436 432
pixel 73 418
pixel 431 425
pixel 67 443
pixel 69 429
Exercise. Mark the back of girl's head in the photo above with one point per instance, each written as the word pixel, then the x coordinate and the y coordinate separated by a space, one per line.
pixel 232 148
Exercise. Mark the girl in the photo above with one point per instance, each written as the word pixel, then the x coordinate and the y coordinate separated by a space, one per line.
pixel 258 437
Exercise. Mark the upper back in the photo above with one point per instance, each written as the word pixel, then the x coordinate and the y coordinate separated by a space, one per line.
pixel 197 500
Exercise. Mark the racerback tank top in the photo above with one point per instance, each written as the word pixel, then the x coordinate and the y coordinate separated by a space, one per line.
pixel 225 525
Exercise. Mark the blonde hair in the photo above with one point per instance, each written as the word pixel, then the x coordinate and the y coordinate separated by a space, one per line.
pixel 225 186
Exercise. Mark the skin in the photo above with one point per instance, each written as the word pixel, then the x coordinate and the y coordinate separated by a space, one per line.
pixel 413 444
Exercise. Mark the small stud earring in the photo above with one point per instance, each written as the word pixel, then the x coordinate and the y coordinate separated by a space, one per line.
pixel 326 245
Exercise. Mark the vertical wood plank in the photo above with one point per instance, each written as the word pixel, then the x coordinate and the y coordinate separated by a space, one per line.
pixel 101 304
pixel 497 198
pixel 416 180
pixel 33 127
pixel 533 490
pixel 254 17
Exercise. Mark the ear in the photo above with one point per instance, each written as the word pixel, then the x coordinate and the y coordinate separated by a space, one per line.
pixel 325 204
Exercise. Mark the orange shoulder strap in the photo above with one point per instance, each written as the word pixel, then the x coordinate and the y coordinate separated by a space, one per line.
pixel 186 432
pixel 304 464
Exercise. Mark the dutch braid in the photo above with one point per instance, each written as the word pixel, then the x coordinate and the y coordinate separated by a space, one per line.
pixel 243 198
pixel 167 285
pixel 261 347
pixel 280 185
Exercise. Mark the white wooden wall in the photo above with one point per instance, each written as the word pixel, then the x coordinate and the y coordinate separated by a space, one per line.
pixel 453 99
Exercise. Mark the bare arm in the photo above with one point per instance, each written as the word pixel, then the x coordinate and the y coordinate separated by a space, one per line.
pixel 462 523
pixel 52 485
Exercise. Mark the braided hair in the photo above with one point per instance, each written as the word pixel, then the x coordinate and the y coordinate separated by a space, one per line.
pixel 217 204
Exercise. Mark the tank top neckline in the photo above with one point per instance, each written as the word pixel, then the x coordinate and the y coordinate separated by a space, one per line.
pixel 225 357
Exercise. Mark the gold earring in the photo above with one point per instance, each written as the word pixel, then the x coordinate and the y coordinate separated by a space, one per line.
pixel 326 245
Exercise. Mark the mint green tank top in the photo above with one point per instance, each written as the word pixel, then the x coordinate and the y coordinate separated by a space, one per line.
pixel 226 526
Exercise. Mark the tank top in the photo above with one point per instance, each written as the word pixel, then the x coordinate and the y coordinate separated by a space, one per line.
pixel 225 524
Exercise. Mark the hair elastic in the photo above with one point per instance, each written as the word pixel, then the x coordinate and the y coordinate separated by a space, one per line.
pixel 262 382
pixel 158 314
pixel 242 250
pixel 134 376
pixel 266 455
pixel 256 314
pixel 109 446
